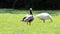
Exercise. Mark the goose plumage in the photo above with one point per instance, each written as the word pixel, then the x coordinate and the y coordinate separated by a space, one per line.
pixel 28 18
pixel 44 16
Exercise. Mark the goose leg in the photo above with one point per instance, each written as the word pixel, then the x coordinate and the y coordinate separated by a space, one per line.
pixel 29 23
pixel 43 20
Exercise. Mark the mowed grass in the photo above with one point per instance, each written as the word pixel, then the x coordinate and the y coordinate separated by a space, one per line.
pixel 10 23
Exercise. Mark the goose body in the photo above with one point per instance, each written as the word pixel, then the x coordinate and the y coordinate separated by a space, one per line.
pixel 44 16
pixel 28 18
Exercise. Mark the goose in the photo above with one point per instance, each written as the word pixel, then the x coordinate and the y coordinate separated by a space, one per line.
pixel 28 18
pixel 44 16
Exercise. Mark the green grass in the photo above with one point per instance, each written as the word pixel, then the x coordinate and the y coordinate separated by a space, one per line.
pixel 10 23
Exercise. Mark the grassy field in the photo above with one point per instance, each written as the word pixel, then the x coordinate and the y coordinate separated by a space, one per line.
pixel 10 23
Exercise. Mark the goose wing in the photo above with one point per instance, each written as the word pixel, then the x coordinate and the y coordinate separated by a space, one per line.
pixel 28 18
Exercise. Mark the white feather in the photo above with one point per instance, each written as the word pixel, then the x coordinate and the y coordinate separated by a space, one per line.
pixel 28 17
pixel 30 8
pixel 44 16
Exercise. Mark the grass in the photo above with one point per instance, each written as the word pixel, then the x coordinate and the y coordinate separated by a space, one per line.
pixel 10 23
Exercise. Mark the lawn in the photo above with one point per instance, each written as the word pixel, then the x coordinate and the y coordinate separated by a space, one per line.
pixel 10 23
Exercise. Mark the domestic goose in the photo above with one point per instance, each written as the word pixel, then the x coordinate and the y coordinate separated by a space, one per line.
pixel 44 16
